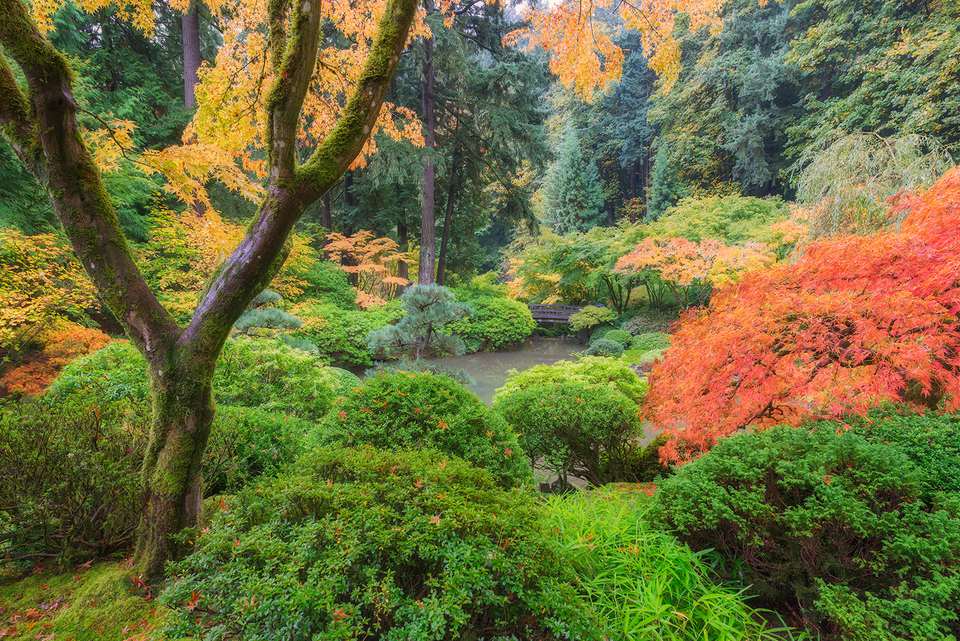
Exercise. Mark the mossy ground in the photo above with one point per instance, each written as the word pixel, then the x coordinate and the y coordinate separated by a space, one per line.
pixel 88 604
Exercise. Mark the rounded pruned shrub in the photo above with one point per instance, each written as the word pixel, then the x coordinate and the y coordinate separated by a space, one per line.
pixel 246 443
pixel 846 530
pixel 394 410
pixel 276 377
pixel 577 429
pixel 493 322
pixel 70 481
pixel 617 336
pixel 591 316
pixel 365 544
pixel 594 370
pixel 604 347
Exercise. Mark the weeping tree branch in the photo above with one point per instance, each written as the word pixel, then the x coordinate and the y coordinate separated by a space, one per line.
pixel 47 139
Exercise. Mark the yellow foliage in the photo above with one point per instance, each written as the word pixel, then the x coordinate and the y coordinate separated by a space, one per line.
pixel 40 281
pixel 109 143
pixel 582 52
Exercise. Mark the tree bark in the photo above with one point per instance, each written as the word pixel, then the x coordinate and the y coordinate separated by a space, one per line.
pixel 403 240
pixel 182 415
pixel 452 188
pixel 428 231
pixel 190 34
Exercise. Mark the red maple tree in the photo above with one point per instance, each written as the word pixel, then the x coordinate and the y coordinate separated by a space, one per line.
pixel 856 321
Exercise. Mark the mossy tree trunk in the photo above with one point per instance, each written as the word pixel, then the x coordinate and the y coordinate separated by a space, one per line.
pixel 41 126
pixel 182 415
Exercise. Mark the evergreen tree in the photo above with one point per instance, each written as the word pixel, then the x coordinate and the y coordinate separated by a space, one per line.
pixel 428 309
pixel 574 198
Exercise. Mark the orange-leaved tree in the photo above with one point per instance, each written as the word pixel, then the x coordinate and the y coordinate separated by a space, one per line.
pixel 40 122
pixel 855 321
pixel 373 264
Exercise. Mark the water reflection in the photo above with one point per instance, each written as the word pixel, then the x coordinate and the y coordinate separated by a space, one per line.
pixel 489 369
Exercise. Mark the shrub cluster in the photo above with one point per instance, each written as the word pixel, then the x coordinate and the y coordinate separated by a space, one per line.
pixel 366 544
pixel 70 481
pixel 251 372
pixel 397 410
pixel 328 283
pixel 854 528
pixel 493 322
pixel 341 334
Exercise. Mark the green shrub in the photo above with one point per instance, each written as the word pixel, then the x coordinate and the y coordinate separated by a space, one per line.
pixel 328 283
pixel 365 544
pixel 250 372
pixel 265 297
pixel 931 441
pixel 341 334
pixel 591 316
pixel 604 347
pixel 493 323
pixel 650 341
pixel 70 488
pixel 593 370
pixel 70 480
pixel 396 410
pixel 275 377
pixel 732 219
pixel 617 336
pixel 266 318
pixel 421 365
pixel 643 583
pixel 825 522
pixel 246 443
pixel 577 429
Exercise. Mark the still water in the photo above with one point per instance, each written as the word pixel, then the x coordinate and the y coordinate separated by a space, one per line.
pixel 489 369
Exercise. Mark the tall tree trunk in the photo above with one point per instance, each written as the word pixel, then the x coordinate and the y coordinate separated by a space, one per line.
pixel 190 28
pixel 182 415
pixel 326 213
pixel 428 232
pixel 403 240
pixel 452 188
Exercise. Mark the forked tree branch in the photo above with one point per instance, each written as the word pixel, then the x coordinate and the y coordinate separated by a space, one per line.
pixel 48 141
pixel 262 251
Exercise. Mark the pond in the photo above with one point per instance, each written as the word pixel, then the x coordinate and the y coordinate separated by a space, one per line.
pixel 489 369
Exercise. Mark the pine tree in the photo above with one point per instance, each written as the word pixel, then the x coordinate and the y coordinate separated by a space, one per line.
pixel 573 195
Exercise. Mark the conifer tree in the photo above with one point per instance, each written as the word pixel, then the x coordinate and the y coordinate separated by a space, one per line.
pixel 573 195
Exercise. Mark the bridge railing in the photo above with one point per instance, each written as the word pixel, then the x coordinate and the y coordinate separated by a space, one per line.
pixel 553 313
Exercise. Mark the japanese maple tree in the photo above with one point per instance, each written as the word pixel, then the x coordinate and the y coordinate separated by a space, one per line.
pixel 40 123
pixel 855 321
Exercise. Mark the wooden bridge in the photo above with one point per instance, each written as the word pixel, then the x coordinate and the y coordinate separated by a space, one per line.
pixel 553 313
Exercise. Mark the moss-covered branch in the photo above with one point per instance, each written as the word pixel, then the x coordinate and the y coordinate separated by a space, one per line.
pixel 66 168
pixel 341 146
pixel 16 122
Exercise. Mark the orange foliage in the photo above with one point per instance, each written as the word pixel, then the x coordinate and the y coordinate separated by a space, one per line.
pixel 583 53
pixel 65 342
pixel 373 262
pixel 40 281
pixel 682 263
pixel 856 321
